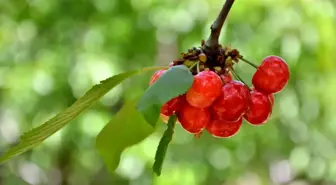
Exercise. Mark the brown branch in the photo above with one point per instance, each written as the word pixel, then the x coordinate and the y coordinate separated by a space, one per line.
pixel 216 27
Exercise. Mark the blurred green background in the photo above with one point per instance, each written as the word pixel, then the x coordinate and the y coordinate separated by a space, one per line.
pixel 53 51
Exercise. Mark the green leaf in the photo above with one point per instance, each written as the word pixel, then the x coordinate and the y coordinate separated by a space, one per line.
pixel 39 134
pixel 174 82
pixel 127 128
pixel 163 146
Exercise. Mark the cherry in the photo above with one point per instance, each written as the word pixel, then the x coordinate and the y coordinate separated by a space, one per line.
pixel 156 76
pixel 260 109
pixel 169 108
pixel 233 102
pixel 272 75
pixel 270 96
pixel 217 115
pixel 226 78
pixel 204 90
pixel 224 129
pixel 193 119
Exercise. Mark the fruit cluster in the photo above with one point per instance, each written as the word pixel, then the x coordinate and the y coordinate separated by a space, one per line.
pixel 217 103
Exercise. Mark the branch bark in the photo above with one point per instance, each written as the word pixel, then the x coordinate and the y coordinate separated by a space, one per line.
pixel 216 27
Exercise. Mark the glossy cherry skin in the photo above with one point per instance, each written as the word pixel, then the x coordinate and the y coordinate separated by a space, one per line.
pixel 260 109
pixel 233 102
pixel 205 89
pixel 156 76
pixel 169 108
pixel 193 119
pixel 272 75
pixel 226 78
pixel 224 129
pixel 270 96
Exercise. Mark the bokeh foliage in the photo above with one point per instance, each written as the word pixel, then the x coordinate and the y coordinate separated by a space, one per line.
pixel 52 52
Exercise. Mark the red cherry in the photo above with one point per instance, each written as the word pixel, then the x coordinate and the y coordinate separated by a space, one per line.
pixel 156 76
pixel 217 115
pixel 224 129
pixel 260 109
pixel 233 102
pixel 193 119
pixel 270 96
pixel 226 78
pixel 169 108
pixel 272 75
pixel 204 90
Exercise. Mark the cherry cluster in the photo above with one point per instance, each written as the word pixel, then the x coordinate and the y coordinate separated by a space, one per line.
pixel 217 103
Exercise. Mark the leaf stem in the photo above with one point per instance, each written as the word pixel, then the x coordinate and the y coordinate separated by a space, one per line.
pixel 248 62
pixel 238 77
pixel 216 27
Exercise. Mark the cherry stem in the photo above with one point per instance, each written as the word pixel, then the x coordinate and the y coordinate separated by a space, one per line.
pixel 250 63
pixel 198 67
pixel 240 79
pixel 192 66
pixel 216 27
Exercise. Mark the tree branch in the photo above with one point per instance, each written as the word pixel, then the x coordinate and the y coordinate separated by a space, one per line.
pixel 216 27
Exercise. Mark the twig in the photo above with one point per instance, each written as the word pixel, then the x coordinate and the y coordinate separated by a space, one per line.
pixel 216 27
